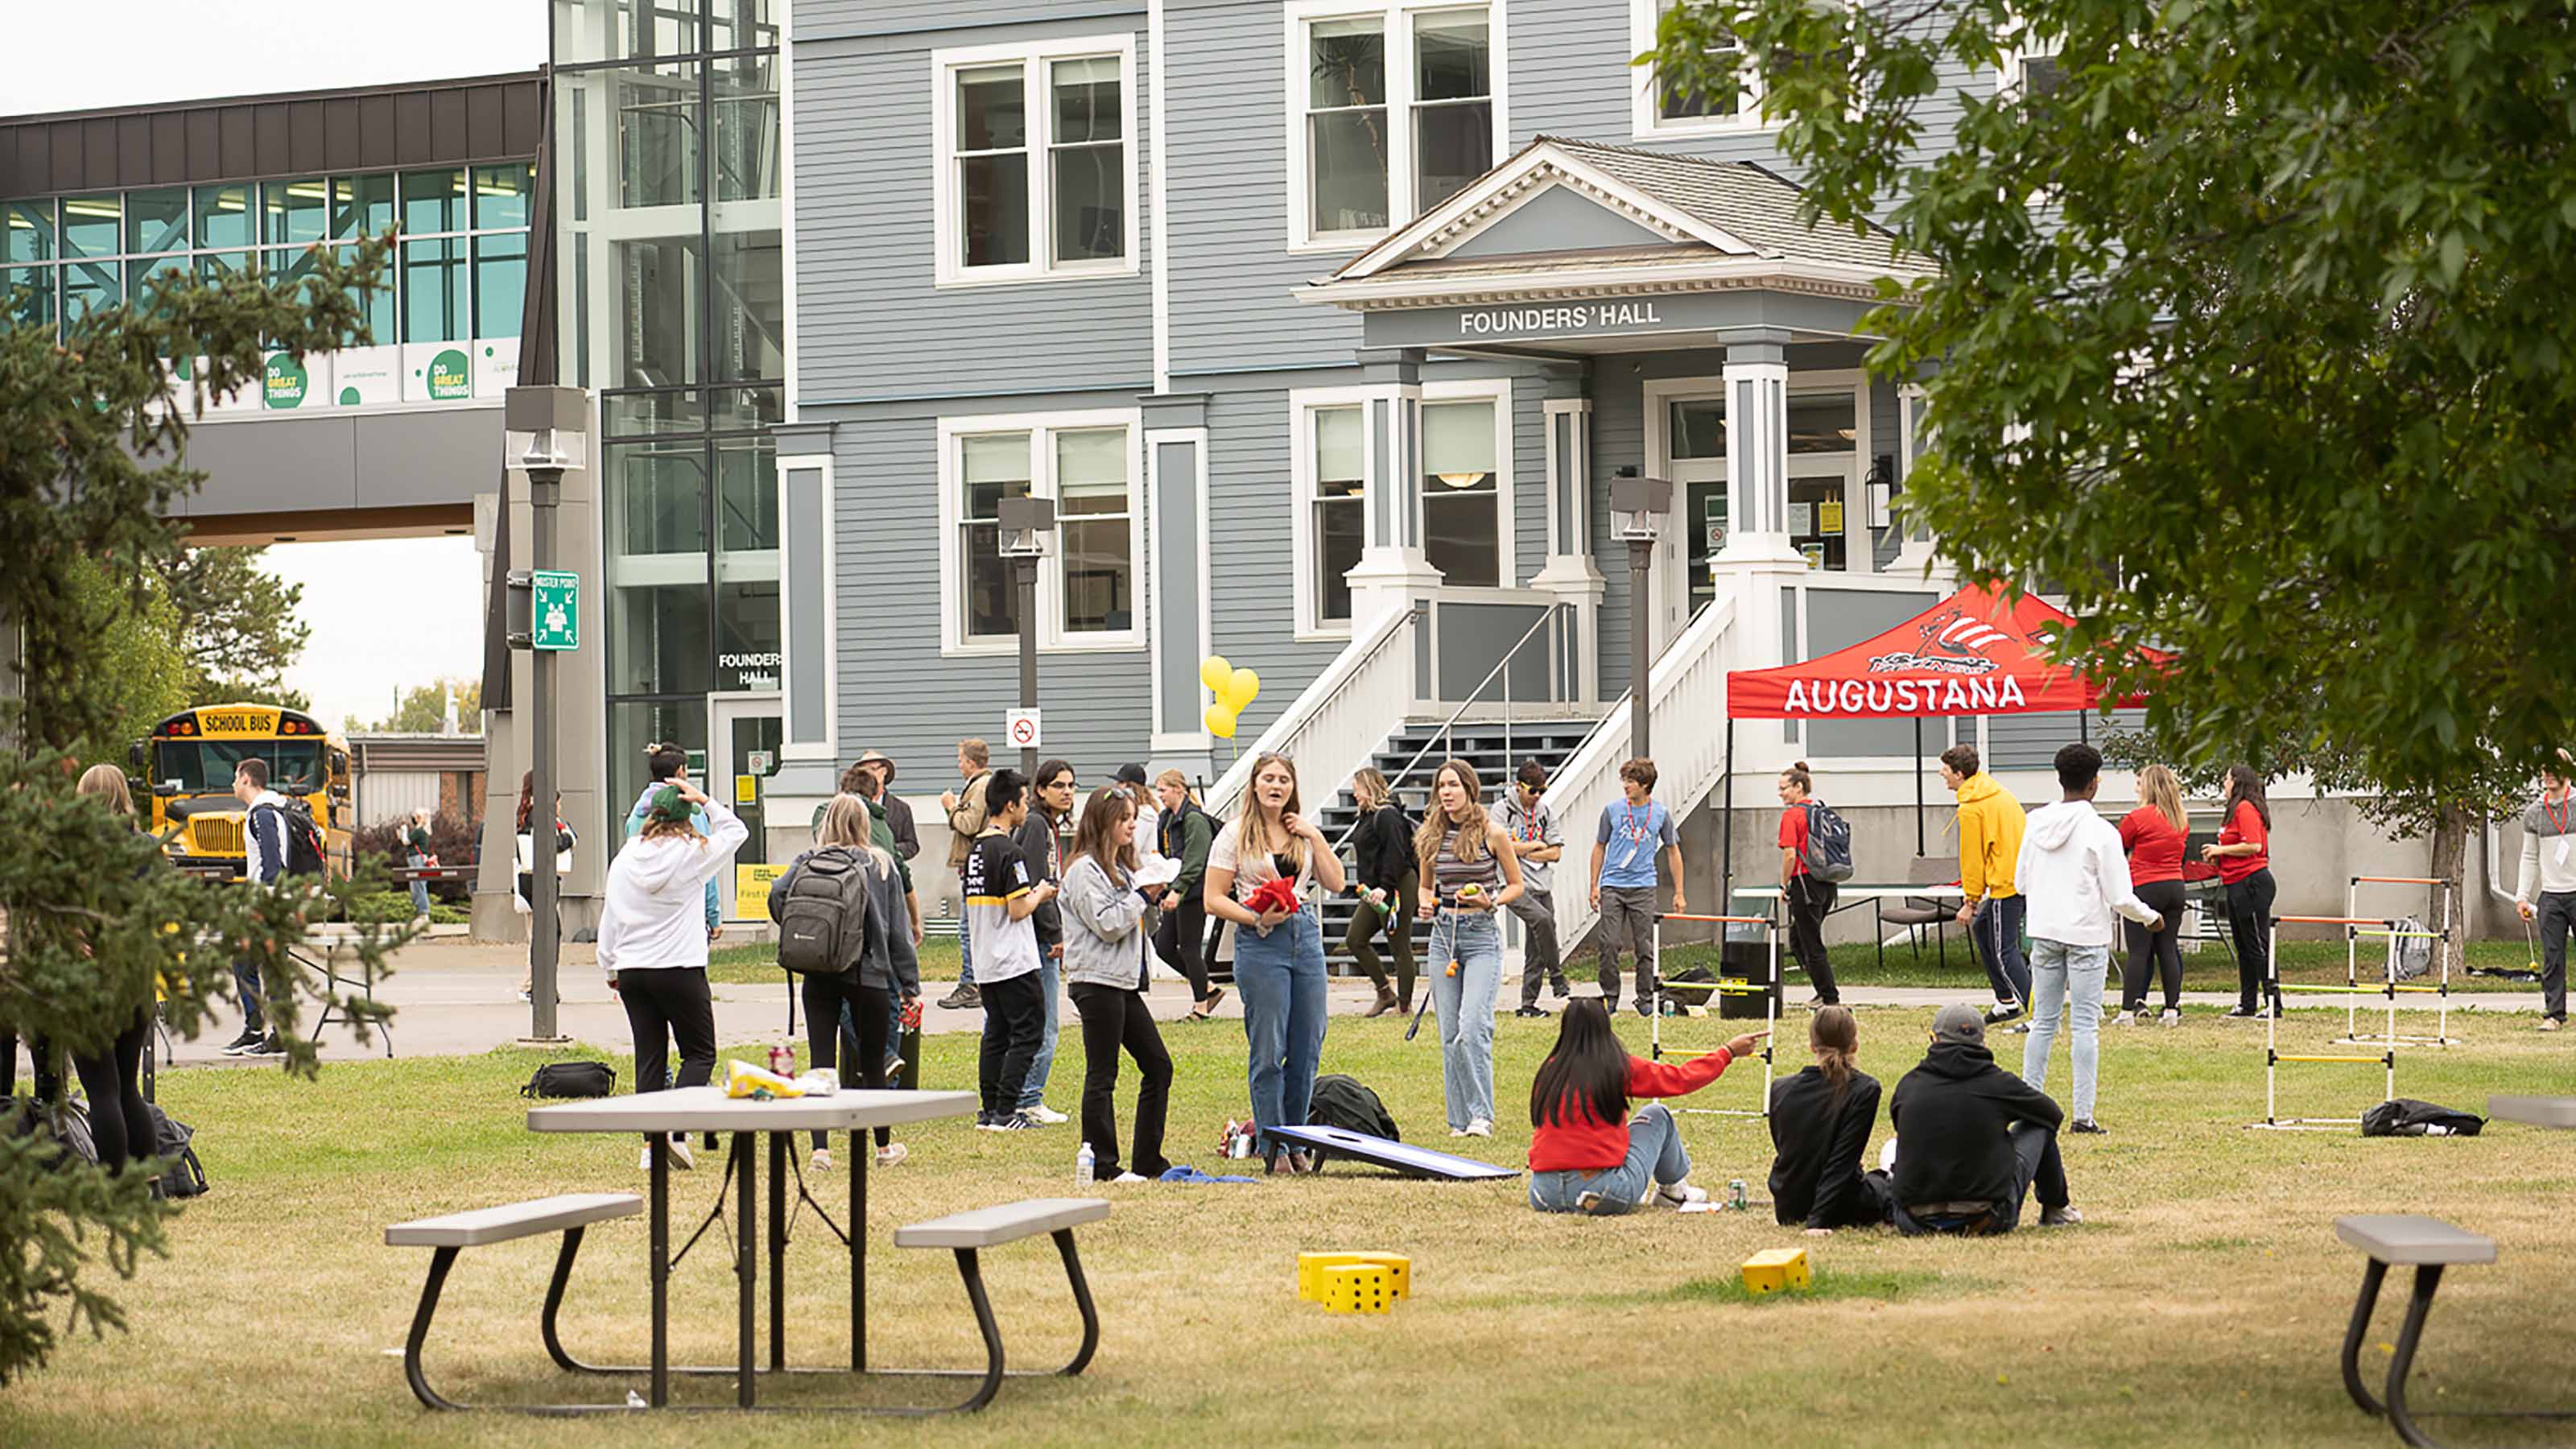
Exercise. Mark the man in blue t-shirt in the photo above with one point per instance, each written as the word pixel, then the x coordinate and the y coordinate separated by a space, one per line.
pixel 1624 855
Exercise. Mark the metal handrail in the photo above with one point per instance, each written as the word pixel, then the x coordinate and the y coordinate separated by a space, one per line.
pixel 1546 617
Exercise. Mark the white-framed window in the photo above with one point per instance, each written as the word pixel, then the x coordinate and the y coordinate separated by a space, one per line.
pixel 2030 62
pixel 1392 109
pixel 1035 149
pixel 1089 586
pixel 1657 109
pixel 1465 492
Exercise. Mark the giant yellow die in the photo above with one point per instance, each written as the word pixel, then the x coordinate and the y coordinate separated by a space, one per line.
pixel 1776 1270
pixel 1359 1288
pixel 1312 1266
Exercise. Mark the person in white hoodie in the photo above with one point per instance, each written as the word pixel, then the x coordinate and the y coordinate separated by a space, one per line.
pixel 653 938
pixel 264 863
pixel 2075 875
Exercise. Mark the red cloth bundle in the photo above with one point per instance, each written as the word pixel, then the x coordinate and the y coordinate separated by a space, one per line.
pixel 1275 894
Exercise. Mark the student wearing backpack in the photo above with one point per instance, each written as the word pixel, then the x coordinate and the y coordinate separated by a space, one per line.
pixel 844 928
pixel 2075 875
pixel 1105 956
pixel 264 863
pixel 1810 896
pixel 653 942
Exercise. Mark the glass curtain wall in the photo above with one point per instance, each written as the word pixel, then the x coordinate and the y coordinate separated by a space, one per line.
pixel 674 308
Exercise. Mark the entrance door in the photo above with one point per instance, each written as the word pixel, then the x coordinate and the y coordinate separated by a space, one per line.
pixel 744 750
pixel 1821 525
pixel 1695 460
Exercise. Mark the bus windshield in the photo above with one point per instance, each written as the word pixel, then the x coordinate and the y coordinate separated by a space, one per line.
pixel 205 767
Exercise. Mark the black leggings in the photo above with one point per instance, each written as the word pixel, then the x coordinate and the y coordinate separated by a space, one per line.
pixel 1114 1017
pixel 1809 900
pixel 2249 918
pixel 119 1123
pixel 871 1010
pixel 667 1004
pixel 1177 940
pixel 2149 950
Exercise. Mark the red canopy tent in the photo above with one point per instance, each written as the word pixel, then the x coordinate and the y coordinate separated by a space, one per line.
pixel 1974 653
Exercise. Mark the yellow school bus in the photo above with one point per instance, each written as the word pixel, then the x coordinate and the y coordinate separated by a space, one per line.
pixel 184 773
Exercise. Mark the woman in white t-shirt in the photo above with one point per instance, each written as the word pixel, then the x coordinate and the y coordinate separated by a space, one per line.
pixel 1278 954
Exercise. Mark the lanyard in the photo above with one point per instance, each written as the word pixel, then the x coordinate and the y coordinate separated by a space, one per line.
pixel 1529 824
pixel 2558 816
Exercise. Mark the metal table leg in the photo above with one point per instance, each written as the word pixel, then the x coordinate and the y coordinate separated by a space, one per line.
pixel 858 1250
pixel 778 1145
pixel 661 1154
pixel 747 1275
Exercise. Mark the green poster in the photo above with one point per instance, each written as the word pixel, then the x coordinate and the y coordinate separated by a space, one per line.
pixel 451 375
pixel 283 381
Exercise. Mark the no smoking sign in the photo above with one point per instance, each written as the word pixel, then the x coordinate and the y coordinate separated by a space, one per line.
pixel 1021 728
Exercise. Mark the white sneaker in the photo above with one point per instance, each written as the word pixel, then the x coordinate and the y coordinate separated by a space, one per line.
pixel 1457 1131
pixel 1887 1156
pixel 2121 1018
pixel 681 1156
pixel 821 1161
pixel 892 1153
pixel 1046 1114
pixel 1479 1127
pixel 2171 1017
pixel 1130 1177
pixel 1678 1193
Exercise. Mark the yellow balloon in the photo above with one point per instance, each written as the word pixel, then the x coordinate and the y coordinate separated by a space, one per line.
pixel 1219 721
pixel 1214 672
pixel 1240 689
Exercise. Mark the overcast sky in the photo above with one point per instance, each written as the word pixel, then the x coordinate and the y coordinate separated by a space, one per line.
pixel 137 52
pixel 385 615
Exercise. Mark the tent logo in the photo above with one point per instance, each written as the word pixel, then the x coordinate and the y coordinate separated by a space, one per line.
pixel 1953 643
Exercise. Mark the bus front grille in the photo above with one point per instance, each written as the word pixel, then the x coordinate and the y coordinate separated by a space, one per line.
pixel 215 836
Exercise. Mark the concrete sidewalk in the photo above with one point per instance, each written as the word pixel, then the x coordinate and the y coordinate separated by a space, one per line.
pixel 460 998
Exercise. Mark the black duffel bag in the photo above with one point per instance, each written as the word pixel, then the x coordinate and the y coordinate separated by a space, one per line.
pixel 2406 1117
pixel 572 1079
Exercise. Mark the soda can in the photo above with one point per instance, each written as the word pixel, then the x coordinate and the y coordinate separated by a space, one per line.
pixel 782 1060
pixel 1735 1193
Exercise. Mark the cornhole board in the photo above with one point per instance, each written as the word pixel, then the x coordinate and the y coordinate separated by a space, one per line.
pixel 1402 1157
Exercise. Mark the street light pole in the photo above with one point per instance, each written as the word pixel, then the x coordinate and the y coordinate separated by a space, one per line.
pixel 543 433
pixel 1638 507
pixel 1027 535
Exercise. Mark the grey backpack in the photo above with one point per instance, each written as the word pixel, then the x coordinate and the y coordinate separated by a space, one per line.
pixel 2409 956
pixel 823 920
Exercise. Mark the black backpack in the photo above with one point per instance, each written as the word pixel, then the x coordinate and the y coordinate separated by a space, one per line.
pixel 1828 855
pixel 2406 1117
pixel 1340 1101
pixel 1690 986
pixel 823 916
pixel 66 1127
pixel 572 1079
pixel 185 1176
pixel 302 838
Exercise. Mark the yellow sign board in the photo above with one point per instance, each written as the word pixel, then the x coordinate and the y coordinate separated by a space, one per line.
pixel 1829 516
pixel 235 722
pixel 751 889
pixel 746 789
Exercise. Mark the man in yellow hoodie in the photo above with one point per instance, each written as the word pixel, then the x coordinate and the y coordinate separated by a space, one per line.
pixel 1990 826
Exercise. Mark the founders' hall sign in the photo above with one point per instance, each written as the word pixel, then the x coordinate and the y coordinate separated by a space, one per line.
pixel 1665 314
pixel 1558 318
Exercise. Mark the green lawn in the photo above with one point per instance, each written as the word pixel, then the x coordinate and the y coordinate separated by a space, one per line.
pixel 2201 1302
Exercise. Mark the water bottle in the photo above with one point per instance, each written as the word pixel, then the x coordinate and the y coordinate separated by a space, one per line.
pixel 1082 1166
pixel 782 1060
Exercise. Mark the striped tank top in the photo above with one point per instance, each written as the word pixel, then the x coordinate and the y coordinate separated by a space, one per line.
pixel 1450 874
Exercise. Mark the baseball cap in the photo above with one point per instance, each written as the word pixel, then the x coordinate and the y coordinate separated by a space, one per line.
pixel 1962 1024
pixel 1130 775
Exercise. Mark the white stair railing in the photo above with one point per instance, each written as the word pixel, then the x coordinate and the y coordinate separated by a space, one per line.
pixel 1686 704
pixel 1340 720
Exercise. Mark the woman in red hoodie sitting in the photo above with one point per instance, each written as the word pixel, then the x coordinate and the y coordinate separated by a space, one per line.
pixel 1586 1156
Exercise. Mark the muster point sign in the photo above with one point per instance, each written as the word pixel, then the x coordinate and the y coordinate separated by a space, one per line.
pixel 1020 727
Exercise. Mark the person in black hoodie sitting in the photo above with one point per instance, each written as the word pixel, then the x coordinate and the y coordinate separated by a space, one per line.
pixel 1820 1122
pixel 1973 1139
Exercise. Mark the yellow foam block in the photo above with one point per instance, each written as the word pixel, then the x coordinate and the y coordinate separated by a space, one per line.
pixel 1311 1268
pixel 1359 1288
pixel 1776 1270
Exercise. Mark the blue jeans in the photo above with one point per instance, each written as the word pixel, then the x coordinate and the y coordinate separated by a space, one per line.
pixel 2071 977
pixel 419 888
pixel 1281 979
pixel 1997 929
pixel 1654 1152
pixel 246 985
pixel 965 953
pixel 1035 1092
pixel 1465 1003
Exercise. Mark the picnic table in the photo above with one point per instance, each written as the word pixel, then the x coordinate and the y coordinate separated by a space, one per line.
pixel 1850 894
pixel 708 1109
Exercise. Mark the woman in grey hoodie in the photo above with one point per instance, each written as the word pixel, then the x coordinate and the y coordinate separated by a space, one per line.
pixel 882 967
pixel 1105 951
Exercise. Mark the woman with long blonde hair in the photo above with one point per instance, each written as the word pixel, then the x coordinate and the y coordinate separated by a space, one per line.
pixel 2153 835
pixel 1279 949
pixel 880 963
pixel 120 1124
pixel 1473 873
pixel 1382 851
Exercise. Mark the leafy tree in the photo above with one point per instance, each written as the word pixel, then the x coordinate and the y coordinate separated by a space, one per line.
pixel 141 671
pixel 423 708
pixel 91 468
pixel 240 624
pixel 2249 335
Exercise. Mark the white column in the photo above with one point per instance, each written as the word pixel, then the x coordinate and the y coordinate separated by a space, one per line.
pixel 1915 559
pixel 1757 449
pixel 1570 573
pixel 1393 570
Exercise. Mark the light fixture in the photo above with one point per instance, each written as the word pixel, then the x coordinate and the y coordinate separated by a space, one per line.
pixel 1028 527
pixel 1460 480
pixel 1639 506
pixel 544 428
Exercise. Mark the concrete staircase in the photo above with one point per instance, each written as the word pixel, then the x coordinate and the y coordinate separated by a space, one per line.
pixel 1494 750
